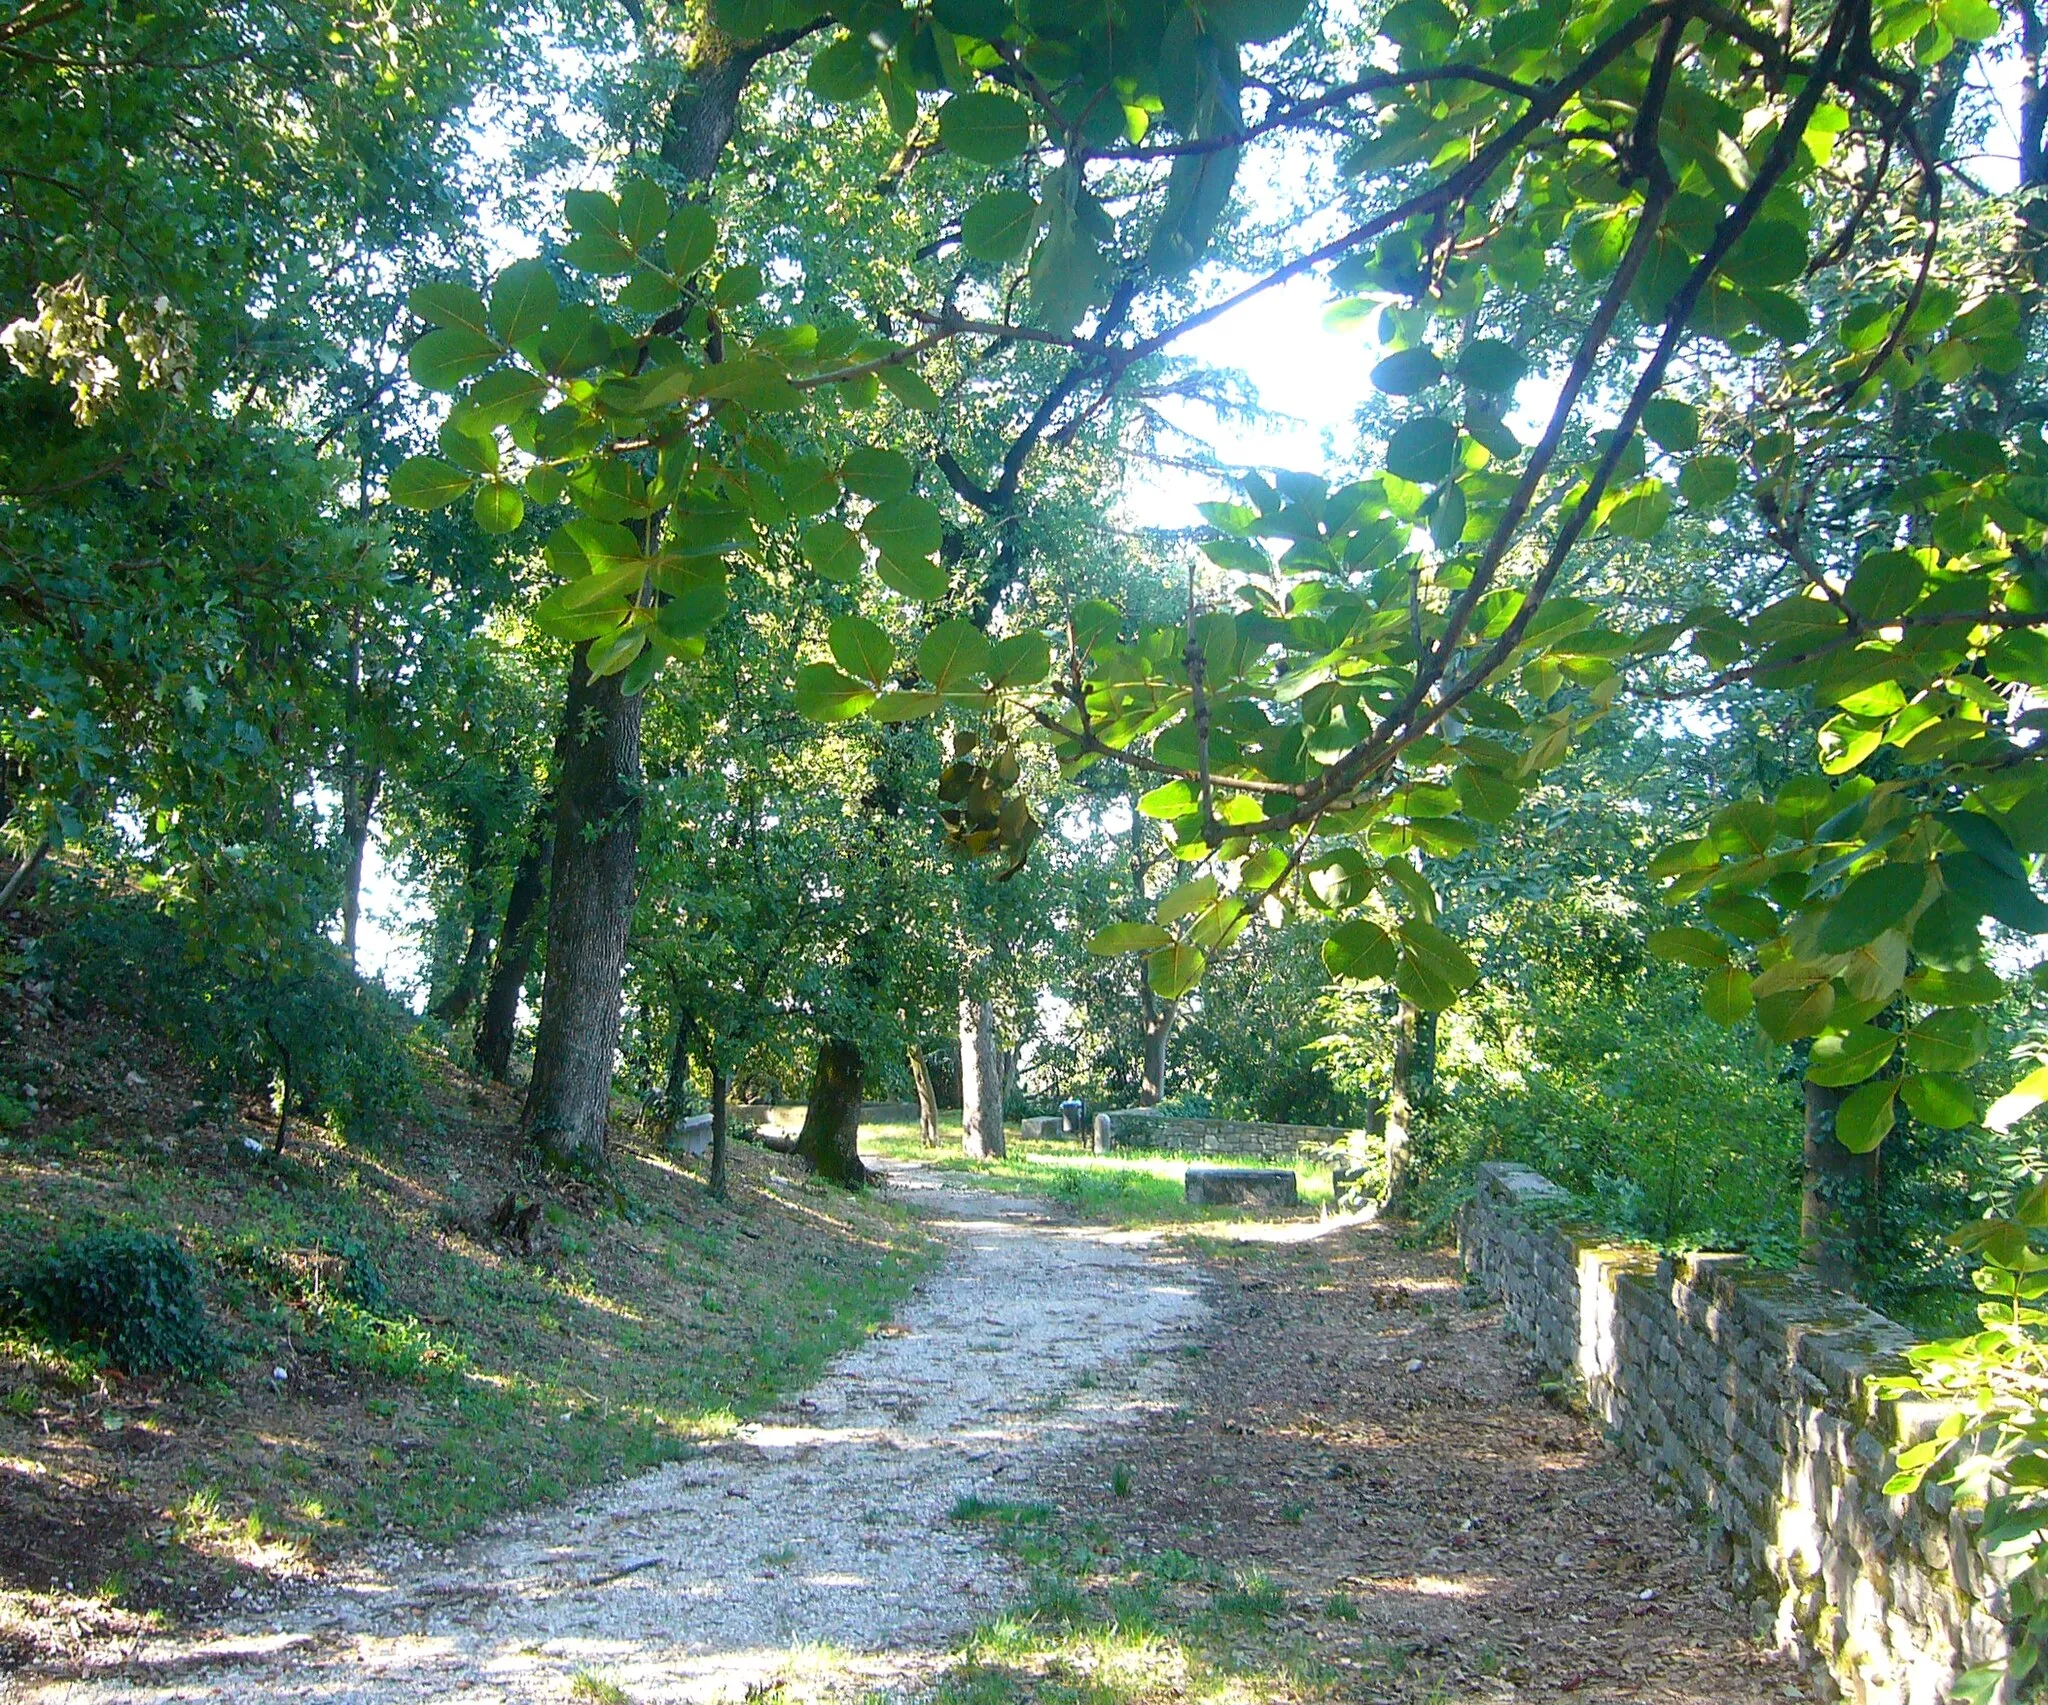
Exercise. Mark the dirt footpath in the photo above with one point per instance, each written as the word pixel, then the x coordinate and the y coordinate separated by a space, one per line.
pixel 818 1538
pixel 1359 1430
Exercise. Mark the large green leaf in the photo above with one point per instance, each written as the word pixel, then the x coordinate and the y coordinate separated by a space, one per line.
pixel 1687 945
pixel 1938 1099
pixel 999 227
pixel 1849 1056
pixel 523 300
pixel 918 578
pixel 1128 938
pixel 498 508
pixel 903 529
pixel 1407 371
pixel 824 694
pixel 878 474
pixel 952 654
pixel 442 359
pixel 428 482
pixel 833 551
pixel 1022 660
pixel 1865 1116
pixel 1878 900
pixel 985 127
pixel 1360 951
pixel 1434 970
pixel 1174 971
pixel 862 648
pixel 449 304
pixel 1423 450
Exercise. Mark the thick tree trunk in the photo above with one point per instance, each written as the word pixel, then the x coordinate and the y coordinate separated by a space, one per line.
pixel 676 1090
pixel 1838 1197
pixel 498 1023
pixel 1158 1019
pixel 927 1100
pixel 981 1081
pixel 590 909
pixel 1408 1092
pixel 830 1139
pixel 720 1153
pixel 359 791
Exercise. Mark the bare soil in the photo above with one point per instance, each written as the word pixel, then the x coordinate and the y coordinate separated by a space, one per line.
pixel 1359 1431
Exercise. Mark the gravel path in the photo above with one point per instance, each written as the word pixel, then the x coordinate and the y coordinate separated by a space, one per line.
pixel 825 1526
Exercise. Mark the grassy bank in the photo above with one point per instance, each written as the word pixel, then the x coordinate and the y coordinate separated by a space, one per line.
pixel 386 1361
pixel 1109 1189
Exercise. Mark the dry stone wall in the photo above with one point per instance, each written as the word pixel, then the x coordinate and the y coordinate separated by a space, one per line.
pixel 1748 1393
pixel 1142 1128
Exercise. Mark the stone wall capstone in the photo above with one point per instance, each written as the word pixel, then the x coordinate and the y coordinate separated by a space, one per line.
pixel 1146 1128
pixel 1748 1393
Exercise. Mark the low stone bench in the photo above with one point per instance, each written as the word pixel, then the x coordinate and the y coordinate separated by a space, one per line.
pixel 1042 1130
pixel 1250 1186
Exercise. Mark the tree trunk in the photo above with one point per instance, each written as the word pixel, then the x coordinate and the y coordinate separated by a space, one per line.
pixel 451 1008
pixel 676 1090
pixel 1838 1196
pixel 498 1023
pixel 358 805
pixel 1409 1087
pixel 927 1100
pixel 1158 1018
pixel 981 1081
pixel 830 1139
pixel 719 1152
pixel 590 910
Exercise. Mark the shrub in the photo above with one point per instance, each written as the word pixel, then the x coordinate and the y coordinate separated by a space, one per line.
pixel 130 1295
pixel 245 1017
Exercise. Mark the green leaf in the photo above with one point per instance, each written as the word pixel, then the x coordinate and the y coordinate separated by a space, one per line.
pixel 1434 969
pixel 1338 878
pixel 1975 987
pixel 1771 252
pixel 905 707
pixel 1174 971
pixel 427 482
pixel 1670 424
pixel 985 127
pixel 843 70
pixel 1490 367
pixel 999 227
pixel 1168 802
pixel 1874 902
pixel 1968 451
pixel 1939 1100
pixel 442 359
pixel 952 654
pixel 523 300
pixel 499 508
pixel 1947 1041
pixel 903 529
pixel 449 304
pixel 1407 371
pixel 1128 938
pixel 1422 450
pixel 691 239
pixel 1191 896
pixel 1641 512
pixel 585 547
pixel 1886 585
pixel 919 578
pixel 1865 1117
pixel 1849 1056
pixel 1687 945
pixel 1022 660
pixel 833 551
pixel 1707 482
pixel 1726 994
pixel 2013 1106
pixel 1360 951
pixel 878 474
pixel 862 648
pixel 825 695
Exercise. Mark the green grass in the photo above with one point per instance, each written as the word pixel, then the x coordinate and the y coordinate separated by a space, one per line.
pixel 1123 1190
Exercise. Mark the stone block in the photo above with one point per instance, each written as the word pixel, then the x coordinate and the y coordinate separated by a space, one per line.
pixel 1043 1130
pixel 1248 1186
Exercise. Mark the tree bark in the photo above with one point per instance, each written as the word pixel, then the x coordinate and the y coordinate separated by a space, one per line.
pixel 498 1023
pixel 676 1090
pixel 1837 1198
pixel 720 1154
pixel 452 1007
pixel 359 791
pixel 1408 1092
pixel 1158 1016
pixel 927 1100
pixel 590 910
pixel 981 1081
pixel 829 1142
